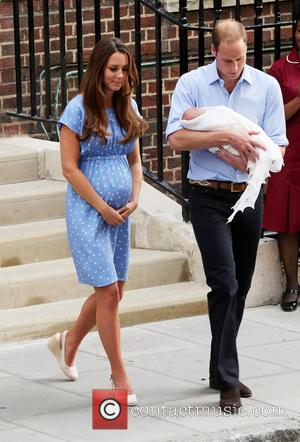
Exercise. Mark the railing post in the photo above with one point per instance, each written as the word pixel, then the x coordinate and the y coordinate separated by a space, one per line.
pixel 217 9
pixel 183 66
pixel 31 57
pixel 62 56
pixel 97 12
pixel 47 58
pixel 137 38
pixel 138 62
pixel 277 30
pixel 79 41
pixel 17 56
pixel 201 46
pixel 159 116
pixel 258 41
pixel 117 18
pixel 296 9
pixel 237 13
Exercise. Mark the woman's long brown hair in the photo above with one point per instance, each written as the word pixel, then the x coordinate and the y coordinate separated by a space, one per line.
pixel 93 92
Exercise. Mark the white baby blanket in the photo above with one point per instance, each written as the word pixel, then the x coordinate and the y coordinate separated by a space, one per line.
pixel 270 160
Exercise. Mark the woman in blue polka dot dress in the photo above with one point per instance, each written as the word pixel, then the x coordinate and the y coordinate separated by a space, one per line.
pixel 100 128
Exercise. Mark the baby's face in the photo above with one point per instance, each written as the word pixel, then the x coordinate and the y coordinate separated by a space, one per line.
pixel 193 112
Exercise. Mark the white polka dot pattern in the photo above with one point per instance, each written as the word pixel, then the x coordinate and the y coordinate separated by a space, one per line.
pixel 100 251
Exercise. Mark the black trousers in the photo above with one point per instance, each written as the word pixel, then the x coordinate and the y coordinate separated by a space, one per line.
pixel 229 254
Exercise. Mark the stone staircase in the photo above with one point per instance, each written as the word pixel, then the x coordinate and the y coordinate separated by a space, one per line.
pixel 39 292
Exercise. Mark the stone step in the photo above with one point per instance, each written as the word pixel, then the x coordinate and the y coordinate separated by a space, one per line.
pixel 31 201
pixel 17 164
pixel 33 242
pixel 50 281
pixel 138 306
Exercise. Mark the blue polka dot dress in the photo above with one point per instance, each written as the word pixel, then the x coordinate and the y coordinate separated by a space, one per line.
pixel 100 251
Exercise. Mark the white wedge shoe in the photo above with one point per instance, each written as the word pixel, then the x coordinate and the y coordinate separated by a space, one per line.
pixel 131 398
pixel 57 346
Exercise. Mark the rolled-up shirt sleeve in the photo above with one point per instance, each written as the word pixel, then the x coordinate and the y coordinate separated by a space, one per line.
pixel 182 100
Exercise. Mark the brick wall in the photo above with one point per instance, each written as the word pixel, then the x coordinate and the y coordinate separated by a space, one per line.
pixel 170 53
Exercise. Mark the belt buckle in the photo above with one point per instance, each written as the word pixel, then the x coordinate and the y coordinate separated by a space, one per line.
pixel 205 183
pixel 232 189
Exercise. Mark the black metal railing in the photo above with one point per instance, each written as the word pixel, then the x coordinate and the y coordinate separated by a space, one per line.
pixel 190 49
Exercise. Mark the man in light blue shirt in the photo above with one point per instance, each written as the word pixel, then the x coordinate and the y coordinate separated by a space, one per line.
pixel 217 180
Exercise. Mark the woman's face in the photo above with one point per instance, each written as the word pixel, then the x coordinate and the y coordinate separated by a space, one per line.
pixel 297 35
pixel 115 72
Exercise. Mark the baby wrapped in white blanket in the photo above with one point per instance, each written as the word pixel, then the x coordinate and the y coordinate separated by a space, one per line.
pixel 215 118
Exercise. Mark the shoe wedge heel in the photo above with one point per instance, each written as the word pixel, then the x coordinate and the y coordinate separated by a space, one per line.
pixel 56 345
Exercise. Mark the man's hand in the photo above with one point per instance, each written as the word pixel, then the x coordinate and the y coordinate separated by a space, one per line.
pixel 127 209
pixel 238 162
pixel 282 150
pixel 245 145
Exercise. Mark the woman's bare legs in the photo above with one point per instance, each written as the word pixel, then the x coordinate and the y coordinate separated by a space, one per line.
pixel 288 248
pixel 121 286
pixel 108 324
pixel 85 322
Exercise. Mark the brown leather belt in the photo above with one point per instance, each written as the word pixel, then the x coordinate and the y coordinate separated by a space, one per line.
pixel 226 185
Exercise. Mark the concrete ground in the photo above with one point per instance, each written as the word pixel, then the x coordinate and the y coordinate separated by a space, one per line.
pixel 168 364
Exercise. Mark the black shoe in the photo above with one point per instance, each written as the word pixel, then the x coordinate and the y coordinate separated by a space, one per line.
pixel 244 390
pixel 230 400
pixel 290 306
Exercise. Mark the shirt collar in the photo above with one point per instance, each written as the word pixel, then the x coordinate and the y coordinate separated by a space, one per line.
pixel 213 74
pixel 294 56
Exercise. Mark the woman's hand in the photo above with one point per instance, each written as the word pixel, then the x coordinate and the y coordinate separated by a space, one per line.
pixel 111 216
pixel 127 209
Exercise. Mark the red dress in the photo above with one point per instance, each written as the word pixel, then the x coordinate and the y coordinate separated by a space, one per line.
pixel 282 202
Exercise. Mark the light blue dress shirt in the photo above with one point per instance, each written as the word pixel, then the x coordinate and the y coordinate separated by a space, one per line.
pixel 257 96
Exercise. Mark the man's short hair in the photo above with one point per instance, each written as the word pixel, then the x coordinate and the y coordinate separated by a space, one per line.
pixel 228 30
